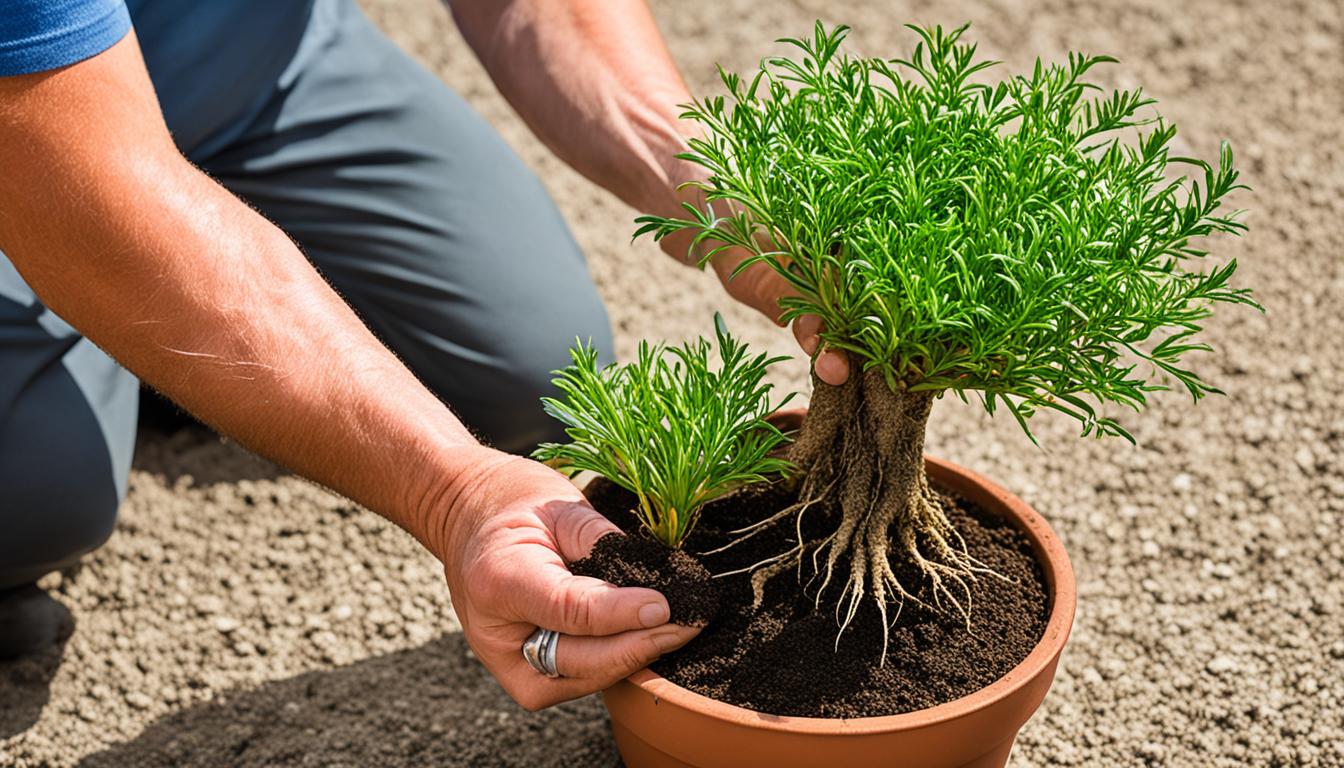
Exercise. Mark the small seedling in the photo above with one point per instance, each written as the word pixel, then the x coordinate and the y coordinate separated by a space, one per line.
pixel 668 426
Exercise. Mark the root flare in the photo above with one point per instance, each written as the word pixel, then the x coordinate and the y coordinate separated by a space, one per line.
pixel 861 452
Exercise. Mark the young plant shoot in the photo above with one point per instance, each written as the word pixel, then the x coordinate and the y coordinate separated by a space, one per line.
pixel 668 426
pixel 999 239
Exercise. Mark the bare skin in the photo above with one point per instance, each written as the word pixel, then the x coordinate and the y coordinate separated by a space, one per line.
pixel 594 81
pixel 208 302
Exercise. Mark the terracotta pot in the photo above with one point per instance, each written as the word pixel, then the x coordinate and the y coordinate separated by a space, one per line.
pixel 659 724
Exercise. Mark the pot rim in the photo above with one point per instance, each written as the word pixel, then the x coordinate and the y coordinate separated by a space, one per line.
pixel 1058 571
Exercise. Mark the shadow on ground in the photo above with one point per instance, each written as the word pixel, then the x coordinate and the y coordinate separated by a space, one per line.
pixel 427 706
pixel 25 688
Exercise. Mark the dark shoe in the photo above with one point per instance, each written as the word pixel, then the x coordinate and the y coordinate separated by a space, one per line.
pixel 31 621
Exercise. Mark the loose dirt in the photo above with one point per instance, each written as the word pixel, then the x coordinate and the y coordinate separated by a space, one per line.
pixel 636 560
pixel 297 630
pixel 784 658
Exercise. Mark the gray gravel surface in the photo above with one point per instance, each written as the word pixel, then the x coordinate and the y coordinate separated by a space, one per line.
pixel 241 616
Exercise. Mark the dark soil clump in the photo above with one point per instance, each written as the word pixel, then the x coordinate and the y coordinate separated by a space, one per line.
pixel 783 658
pixel 638 561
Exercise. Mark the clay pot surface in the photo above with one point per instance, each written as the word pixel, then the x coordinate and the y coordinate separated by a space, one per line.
pixel 659 724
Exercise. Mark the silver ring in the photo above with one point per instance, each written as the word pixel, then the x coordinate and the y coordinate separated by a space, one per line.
pixel 539 651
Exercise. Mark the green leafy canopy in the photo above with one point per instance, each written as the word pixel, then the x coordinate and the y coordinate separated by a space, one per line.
pixel 668 426
pixel 952 235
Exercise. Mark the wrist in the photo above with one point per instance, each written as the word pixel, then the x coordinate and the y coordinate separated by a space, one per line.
pixel 453 482
pixel 677 189
pixel 662 136
pixel 677 177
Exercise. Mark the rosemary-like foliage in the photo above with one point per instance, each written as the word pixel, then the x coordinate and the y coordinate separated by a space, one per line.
pixel 669 426
pixel 960 236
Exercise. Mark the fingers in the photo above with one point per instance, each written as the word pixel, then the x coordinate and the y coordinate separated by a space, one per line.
pixel 578 605
pixel 588 606
pixel 576 527
pixel 807 330
pixel 761 288
pixel 539 588
pixel 591 664
pixel 830 365
pixel 604 660
pixel 758 286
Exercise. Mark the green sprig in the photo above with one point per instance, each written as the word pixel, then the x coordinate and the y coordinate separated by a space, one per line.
pixel 953 235
pixel 668 426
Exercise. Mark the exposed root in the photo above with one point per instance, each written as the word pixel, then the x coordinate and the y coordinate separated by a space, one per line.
pixel 862 455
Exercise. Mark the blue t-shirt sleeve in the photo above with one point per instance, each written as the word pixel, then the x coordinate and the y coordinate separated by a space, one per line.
pixel 37 35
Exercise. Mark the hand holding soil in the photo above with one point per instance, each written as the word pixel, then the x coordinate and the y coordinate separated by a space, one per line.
pixel 505 542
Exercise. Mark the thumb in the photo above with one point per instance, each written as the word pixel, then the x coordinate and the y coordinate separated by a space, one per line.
pixel 579 605
pixel 576 527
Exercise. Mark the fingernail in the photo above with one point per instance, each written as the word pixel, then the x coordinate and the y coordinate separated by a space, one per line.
pixel 668 641
pixel 653 615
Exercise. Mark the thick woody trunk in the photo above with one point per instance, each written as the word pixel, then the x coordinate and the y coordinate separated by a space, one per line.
pixel 861 454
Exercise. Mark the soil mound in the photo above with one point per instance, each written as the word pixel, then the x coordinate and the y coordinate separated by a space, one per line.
pixel 638 561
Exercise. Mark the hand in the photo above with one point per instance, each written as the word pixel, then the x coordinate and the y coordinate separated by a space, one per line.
pixel 758 286
pixel 761 288
pixel 510 530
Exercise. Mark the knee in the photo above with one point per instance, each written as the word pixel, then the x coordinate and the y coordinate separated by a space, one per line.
pixel 54 520
pixel 514 419
pixel 57 480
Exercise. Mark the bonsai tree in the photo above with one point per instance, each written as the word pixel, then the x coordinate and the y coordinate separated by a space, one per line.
pixel 668 426
pixel 996 239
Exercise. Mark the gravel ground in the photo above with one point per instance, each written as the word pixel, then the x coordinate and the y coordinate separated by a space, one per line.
pixel 242 616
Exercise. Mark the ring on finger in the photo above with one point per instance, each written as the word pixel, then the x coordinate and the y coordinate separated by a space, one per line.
pixel 539 651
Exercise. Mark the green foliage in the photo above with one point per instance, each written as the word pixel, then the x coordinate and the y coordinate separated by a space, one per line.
pixel 668 426
pixel 1000 239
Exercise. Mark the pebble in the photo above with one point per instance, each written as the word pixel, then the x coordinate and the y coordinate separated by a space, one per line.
pixel 1221 665
pixel 1305 459
pixel 226 624
pixel 1303 366
pixel 1152 751
pixel 207 605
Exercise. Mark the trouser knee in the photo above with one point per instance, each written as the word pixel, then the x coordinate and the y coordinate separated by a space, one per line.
pixel 513 418
pixel 58 496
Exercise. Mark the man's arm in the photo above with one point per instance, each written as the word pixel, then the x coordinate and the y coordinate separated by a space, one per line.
pixel 199 295
pixel 202 298
pixel 594 81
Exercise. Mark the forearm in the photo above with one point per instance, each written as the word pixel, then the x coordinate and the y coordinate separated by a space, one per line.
pixel 207 301
pixel 594 81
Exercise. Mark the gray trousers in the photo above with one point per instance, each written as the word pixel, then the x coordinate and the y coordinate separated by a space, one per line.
pixel 409 204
